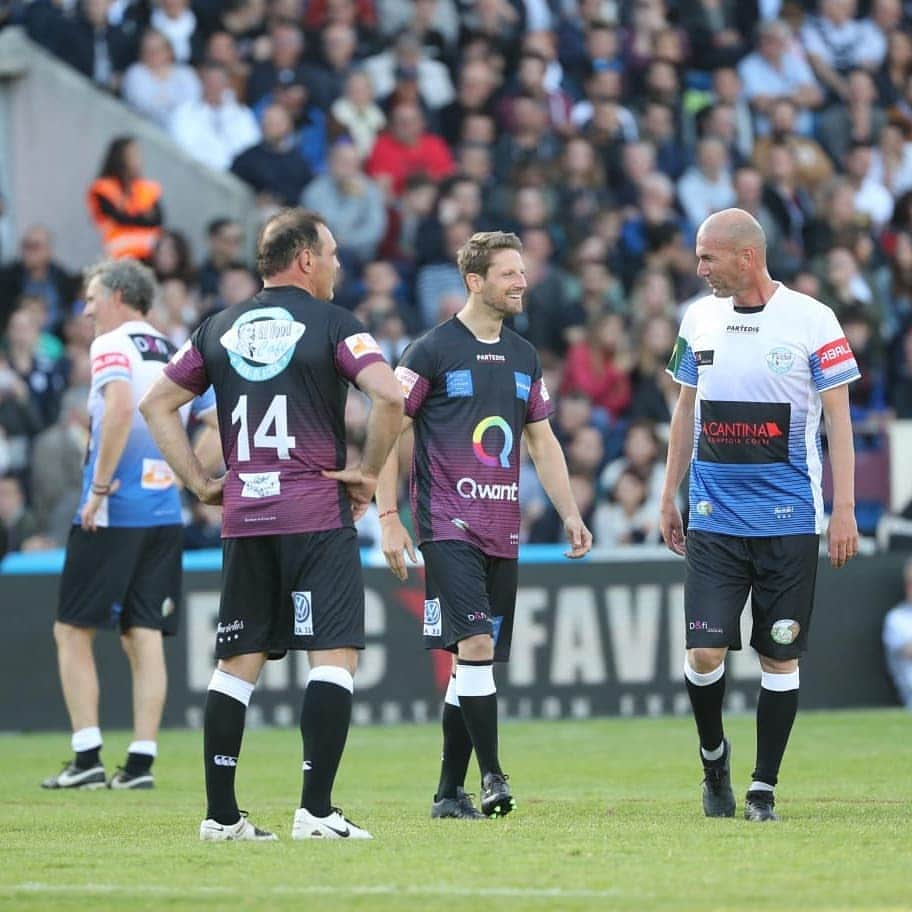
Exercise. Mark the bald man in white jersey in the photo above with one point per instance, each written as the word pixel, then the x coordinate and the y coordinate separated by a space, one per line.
pixel 758 365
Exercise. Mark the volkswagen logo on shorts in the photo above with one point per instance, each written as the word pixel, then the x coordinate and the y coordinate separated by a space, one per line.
pixel 432 623
pixel 303 616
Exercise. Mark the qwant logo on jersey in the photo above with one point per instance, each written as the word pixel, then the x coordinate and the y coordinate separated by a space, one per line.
pixel 744 432
pixel 261 342
pixel 481 446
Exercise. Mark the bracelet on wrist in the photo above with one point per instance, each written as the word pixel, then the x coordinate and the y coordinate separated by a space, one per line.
pixel 101 489
pixel 387 513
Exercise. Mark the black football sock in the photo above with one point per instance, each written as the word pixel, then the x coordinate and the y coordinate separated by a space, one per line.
pixel 223 731
pixel 140 757
pixel 478 701
pixel 457 746
pixel 706 692
pixel 777 707
pixel 86 744
pixel 325 718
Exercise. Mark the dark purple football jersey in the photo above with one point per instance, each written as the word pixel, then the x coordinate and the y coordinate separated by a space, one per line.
pixel 470 401
pixel 280 365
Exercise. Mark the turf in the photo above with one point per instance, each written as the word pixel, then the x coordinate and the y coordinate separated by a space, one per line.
pixel 609 817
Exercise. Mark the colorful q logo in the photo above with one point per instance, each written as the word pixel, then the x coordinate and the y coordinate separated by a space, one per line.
pixel 503 459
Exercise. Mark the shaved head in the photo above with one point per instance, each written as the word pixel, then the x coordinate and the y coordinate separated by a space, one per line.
pixel 737 227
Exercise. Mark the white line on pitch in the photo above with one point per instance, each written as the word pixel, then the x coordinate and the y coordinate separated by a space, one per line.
pixel 312 890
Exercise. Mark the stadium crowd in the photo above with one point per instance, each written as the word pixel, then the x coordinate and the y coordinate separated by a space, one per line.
pixel 601 131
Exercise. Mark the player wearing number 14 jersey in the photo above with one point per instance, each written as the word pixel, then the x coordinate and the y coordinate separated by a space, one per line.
pixel 473 389
pixel 280 365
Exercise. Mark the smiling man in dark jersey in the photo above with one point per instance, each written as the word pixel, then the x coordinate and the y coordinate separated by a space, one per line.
pixel 472 389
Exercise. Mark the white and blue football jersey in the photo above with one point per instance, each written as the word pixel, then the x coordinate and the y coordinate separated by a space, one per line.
pixel 147 496
pixel 757 460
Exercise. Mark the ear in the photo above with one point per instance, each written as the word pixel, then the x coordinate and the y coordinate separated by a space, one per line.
pixel 475 282
pixel 304 259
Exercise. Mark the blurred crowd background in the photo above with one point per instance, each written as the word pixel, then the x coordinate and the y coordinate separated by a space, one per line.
pixel 601 131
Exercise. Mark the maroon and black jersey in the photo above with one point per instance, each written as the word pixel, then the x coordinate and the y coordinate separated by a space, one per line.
pixel 280 365
pixel 470 400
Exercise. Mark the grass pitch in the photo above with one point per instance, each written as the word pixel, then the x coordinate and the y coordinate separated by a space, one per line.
pixel 609 817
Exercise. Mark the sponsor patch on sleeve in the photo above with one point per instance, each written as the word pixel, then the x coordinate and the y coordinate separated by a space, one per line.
pixel 110 361
pixel 523 385
pixel 407 379
pixel 361 344
pixel 834 353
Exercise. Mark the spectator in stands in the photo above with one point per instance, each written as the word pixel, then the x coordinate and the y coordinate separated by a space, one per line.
pixel 857 118
pixel 236 283
pixel 836 42
pixel 125 206
pixel 657 126
pixel 597 366
pixel 20 418
pixel 897 641
pixel 175 311
pixel 718 30
pixel 718 121
pixel 642 454
pixel 339 48
pixel 156 84
pixel 871 197
pixel 531 81
pixel 627 517
pixel 891 163
pixel 404 219
pixel 352 204
pixel 177 22
pixel 36 273
pixel 221 47
pixel 287 64
pixel 407 55
pixel 434 281
pixel 476 92
pixel 788 202
pixel 727 88
pixel 16 518
pixel 814 168
pixel 529 140
pixel 43 377
pixel 275 167
pixel 91 44
pixel 777 69
pixel 582 192
pixel 892 76
pixel 225 240
pixel 172 258
pixel 548 527
pixel 215 129
pixel 653 396
pixel 706 187
pixel 900 388
pixel 57 463
pixel 867 396
pixel 357 115
pixel 406 148
pixel 886 18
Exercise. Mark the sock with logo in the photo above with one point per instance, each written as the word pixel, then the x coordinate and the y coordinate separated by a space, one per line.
pixel 223 731
pixel 777 707
pixel 86 744
pixel 140 757
pixel 325 718
pixel 457 745
pixel 478 700
pixel 706 692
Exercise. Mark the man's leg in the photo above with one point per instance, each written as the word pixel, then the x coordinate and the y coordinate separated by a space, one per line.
pixel 227 699
pixel 704 675
pixel 325 720
pixel 457 744
pixel 145 652
pixel 79 680
pixel 777 707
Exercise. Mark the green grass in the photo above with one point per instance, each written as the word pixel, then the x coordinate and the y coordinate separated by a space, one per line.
pixel 609 817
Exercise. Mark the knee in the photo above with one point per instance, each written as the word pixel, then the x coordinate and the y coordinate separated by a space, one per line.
pixel 704 660
pixel 778 666
pixel 69 637
pixel 479 648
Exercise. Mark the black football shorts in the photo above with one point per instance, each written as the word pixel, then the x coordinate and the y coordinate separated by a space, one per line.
pixel 122 577
pixel 294 591
pixel 468 593
pixel 779 572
